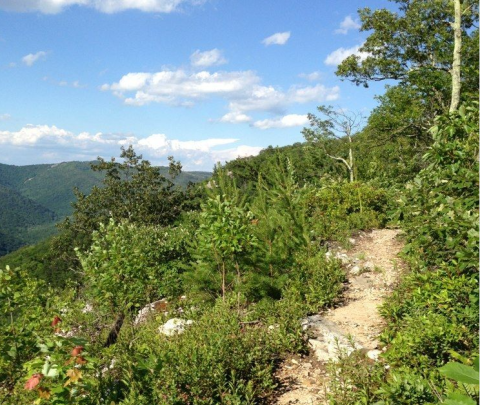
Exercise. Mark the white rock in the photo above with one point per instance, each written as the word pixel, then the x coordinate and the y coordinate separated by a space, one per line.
pixel 159 306
pixel 87 309
pixel 352 241
pixel 374 354
pixel 355 270
pixel 328 343
pixel 174 326
pixel 342 257
pixel 369 265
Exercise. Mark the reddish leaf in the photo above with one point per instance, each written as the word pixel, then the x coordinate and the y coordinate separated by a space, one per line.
pixel 76 351
pixel 33 381
pixel 80 360
pixel 56 320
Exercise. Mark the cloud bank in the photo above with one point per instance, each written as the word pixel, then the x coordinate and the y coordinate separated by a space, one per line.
pixel 242 90
pixel 50 144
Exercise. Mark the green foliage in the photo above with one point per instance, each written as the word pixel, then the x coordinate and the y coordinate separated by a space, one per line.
pixel 33 198
pixel 23 301
pixel 221 359
pixel 467 379
pixel 434 312
pixel 334 125
pixel 133 190
pixel 130 266
pixel 224 241
pixel 63 373
pixel 413 44
pixel 281 222
pixel 338 208
pixel 315 281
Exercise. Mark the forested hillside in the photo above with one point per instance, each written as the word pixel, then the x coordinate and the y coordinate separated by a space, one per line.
pixel 34 198
pixel 156 294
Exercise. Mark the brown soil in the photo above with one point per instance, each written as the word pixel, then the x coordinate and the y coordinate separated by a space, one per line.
pixel 372 270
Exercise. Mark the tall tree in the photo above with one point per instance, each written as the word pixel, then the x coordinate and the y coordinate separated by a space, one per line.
pixel 133 190
pixel 420 45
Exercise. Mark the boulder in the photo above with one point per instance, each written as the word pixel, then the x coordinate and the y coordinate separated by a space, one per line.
pixel 159 306
pixel 174 326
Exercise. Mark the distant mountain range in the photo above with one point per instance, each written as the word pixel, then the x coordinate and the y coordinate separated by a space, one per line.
pixel 34 198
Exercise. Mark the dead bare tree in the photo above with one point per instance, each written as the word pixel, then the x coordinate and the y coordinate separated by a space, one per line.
pixel 335 124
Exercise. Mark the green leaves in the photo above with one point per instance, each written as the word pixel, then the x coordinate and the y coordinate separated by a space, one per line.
pixel 459 399
pixel 461 373
pixel 50 370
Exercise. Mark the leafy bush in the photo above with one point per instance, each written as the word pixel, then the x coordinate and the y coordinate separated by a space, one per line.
pixel 336 209
pixel 129 266
pixel 435 310
pixel 23 303
pixel 223 358
pixel 224 243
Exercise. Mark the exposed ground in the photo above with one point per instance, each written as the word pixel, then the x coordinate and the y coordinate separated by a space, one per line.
pixel 373 267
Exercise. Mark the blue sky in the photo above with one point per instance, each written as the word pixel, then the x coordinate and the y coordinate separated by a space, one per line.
pixel 203 80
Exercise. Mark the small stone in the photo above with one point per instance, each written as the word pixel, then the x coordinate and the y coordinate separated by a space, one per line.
pixel 352 241
pixel 374 354
pixel 174 326
pixel 369 265
pixel 355 270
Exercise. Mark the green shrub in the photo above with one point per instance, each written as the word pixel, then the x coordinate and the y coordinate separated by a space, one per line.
pixel 130 265
pixel 23 313
pixel 223 358
pixel 339 208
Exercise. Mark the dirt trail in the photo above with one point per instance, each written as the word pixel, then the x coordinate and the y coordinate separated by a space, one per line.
pixel 372 266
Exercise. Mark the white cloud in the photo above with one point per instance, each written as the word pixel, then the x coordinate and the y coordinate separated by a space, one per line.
pixel 311 77
pixel 31 58
pixel 176 87
pixel 280 38
pixel 43 143
pixel 242 90
pixel 64 83
pixel 235 117
pixel 105 6
pixel 347 24
pixel 337 56
pixel 207 58
pixel 5 117
pixel 288 121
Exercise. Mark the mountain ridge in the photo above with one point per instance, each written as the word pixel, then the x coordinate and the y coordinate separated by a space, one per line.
pixel 33 198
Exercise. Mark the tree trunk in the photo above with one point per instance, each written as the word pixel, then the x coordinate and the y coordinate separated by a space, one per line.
pixel 223 281
pixel 113 335
pixel 457 56
pixel 350 167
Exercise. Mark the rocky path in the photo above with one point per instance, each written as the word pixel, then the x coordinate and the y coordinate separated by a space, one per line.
pixel 372 266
